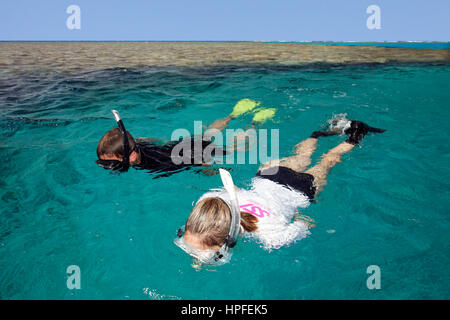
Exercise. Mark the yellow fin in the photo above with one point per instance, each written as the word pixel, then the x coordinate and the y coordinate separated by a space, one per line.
pixel 244 106
pixel 262 115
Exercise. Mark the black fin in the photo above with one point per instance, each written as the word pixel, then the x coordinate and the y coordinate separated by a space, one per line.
pixel 376 130
pixel 358 130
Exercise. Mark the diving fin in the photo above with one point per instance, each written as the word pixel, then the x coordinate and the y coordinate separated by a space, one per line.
pixel 244 106
pixel 262 115
pixel 358 130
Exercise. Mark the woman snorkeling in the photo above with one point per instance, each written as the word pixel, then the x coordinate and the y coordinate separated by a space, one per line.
pixel 267 210
pixel 118 150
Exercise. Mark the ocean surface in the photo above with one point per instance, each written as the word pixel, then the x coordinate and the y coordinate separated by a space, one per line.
pixel 406 45
pixel 386 204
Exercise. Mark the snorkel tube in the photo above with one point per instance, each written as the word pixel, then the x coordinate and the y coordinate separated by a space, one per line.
pixel 232 237
pixel 223 255
pixel 117 165
pixel 126 146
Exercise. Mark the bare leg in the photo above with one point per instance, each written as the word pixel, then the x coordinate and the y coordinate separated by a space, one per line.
pixel 329 160
pixel 221 124
pixel 300 160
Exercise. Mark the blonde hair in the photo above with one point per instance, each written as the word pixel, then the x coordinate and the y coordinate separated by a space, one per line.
pixel 211 218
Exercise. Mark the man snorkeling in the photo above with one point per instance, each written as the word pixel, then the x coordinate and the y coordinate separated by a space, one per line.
pixel 268 210
pixel 118 150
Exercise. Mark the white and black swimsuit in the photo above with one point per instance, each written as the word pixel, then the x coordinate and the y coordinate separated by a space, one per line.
pixel 275 201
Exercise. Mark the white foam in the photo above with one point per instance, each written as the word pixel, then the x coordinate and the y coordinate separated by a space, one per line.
pixel 339 123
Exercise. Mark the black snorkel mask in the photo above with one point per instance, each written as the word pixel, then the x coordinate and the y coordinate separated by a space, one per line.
pixel 116 165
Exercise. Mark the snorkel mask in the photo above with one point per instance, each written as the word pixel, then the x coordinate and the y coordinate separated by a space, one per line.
pixel 117 165
pixel 223 255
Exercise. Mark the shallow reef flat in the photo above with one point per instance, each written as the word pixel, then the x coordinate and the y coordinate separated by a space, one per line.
pixel 73 57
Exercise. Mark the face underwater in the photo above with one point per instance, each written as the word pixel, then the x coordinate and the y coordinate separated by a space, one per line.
pixel 134 157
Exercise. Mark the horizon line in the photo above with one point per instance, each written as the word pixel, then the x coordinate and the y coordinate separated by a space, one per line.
pixel 264 41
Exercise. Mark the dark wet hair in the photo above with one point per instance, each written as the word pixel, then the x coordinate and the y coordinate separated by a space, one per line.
pixel 112 143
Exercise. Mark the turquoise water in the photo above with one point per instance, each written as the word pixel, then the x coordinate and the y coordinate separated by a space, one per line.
pixel 405 45
pixel 386 204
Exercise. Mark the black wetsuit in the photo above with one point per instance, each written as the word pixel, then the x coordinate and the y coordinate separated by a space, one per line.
pixel 158 157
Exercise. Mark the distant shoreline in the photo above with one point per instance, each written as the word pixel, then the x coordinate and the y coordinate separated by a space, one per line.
pixel 411 44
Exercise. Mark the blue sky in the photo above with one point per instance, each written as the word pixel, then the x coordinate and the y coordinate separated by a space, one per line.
pixel 219 20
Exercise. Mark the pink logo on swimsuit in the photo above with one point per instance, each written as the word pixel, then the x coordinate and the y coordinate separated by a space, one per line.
pixel 255 209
